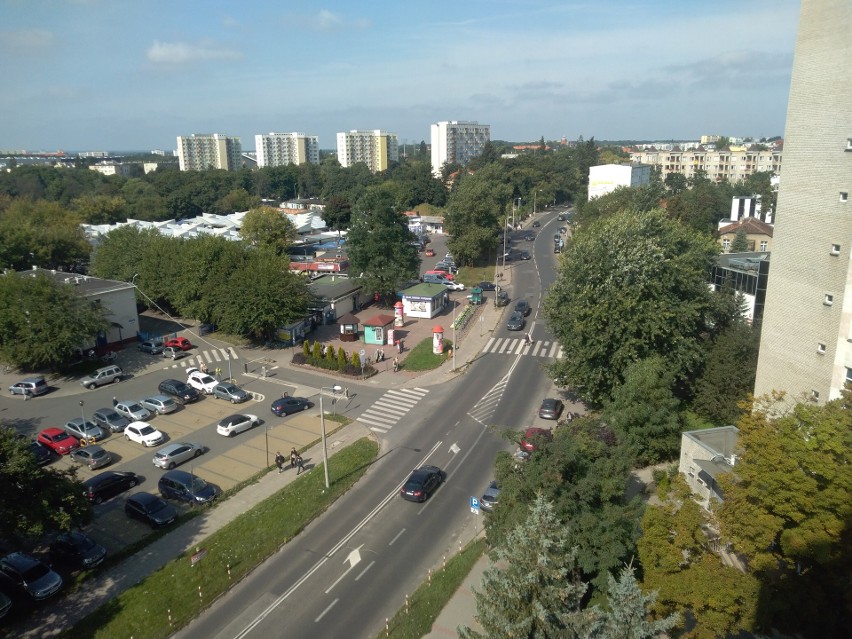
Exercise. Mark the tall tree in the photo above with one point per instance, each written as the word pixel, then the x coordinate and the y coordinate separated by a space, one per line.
pixel 337 213
pixel 266 226
pixel 41 233
pixel 740 243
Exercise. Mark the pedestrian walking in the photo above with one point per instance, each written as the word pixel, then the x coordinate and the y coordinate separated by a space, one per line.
pixel 395 364
pixel 203 368
pixel 300 465
pixel 263 372
pixel 529 338
pixel 399 346
pixel 114 402
pixel 279 461
pixel 218 372
pixel 293 456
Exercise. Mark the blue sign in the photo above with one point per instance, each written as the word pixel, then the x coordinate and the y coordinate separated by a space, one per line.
pixel 474 505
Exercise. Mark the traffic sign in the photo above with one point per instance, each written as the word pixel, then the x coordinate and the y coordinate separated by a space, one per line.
pixel 474 505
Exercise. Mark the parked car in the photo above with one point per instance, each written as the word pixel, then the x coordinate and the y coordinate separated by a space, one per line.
pixel 84 429
pixel 134 411
pixel 550 408
pixel 523 307
pixel 30 386
pixel 200 381
pixel 173 352
pixel 230 392
pixel 174 454
pixel 41 453
pixel 108 484
pixel 159 404
pixel 529 237
pixel 30 575
pixel 178 484
pixel 107 418
pixel 179 391
pixel 455 286
pixel 93 456
pixel 150 509
pixel 516 322
pixel 58 441
pixel 105 375
pixel 490 497
pixel 77 550
pixel 487 286
pixel 234 424
pixel 533 437
pixel 422 483
pixel 289 405
pixel 501 299
pixel 143 433
pixel 179 342
pixel 150 346
pixel 525 255
pixel 5 605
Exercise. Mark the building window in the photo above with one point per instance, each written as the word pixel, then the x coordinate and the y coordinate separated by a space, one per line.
pixel 835 249
pixel 726 244
pixel 844 196
pixel 764 245
pixel 849 144
pixel 828 300
pixel 821 348
pixel 815 395
pixel 848 375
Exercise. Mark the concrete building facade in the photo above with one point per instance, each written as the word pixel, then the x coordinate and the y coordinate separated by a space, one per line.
pixel 202 151
pixel 377 149
pixel 806 341
pixel 605 178
pixel 733 166
pixel 704 455
pixel 457 142
pixel 281 149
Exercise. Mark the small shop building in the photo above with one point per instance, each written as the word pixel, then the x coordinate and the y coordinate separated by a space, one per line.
pixel 424 300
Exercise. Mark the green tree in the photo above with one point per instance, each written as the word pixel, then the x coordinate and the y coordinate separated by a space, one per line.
pixel 42 322
pixel 337 213
pixel 316 352
pixel 100 209
pixel 266 226
pixel 534 588
pixel 341 359
pixel 740 243
pixel 676 183
pixel 40 233
pixel 629 287
pixel 237 200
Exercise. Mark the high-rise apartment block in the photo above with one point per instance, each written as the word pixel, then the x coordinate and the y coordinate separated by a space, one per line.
pixel 806 339
pixel 377 149
pixel 457 142
pixel 281 149
pixel 201 151
pixel 605 178
pixel 733 166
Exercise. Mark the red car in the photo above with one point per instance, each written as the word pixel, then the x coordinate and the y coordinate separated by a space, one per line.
pixel 533 436
pixel 58 441
pixel 430 252
pixel 179 342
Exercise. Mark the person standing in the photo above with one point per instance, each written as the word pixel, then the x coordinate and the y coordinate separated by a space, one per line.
pixel 300 464
pixel 279 461
pixel 293 456
pixel 395 364
pixel 114 402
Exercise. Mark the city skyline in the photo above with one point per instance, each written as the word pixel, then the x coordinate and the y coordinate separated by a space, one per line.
pixel 90 74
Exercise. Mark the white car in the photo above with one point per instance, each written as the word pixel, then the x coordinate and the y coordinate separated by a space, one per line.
pixel 143 433
pixel 200 381
pixel 454 286
pixel 134 411
pixel 234 424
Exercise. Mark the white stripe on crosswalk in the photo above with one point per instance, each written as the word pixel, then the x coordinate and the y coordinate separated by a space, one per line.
pixel 394 408
pixel 519 346
pixel 390 408
pixel 487 348
pixel 381 417
pixel 379 430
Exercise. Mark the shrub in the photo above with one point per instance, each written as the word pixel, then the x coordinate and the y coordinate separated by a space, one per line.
pixel 356 361
pixel 306 349
pixel 342 360
pixel 316 353
pixel 331 356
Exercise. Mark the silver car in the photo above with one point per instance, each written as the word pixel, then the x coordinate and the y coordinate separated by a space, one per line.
pixel 170 456
pixel 159 404
pixel 84 429
pixel 134 411
pixel 109 419
pixel 92 456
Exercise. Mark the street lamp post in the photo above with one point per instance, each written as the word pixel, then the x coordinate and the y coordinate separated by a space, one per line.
pixel 455 346
pixel 334 389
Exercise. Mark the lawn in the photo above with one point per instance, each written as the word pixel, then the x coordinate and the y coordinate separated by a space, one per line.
pixel 421 357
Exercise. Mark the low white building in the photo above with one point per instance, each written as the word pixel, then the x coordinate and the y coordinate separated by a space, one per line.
pixel 706 454
pixel 605 178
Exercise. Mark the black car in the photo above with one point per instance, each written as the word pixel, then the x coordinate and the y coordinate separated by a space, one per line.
pixel 529 237
pixel 178 484
pixel 550 408
pixel 180 391
pixel 487 286
pixel 561 217
pixel 523 307
pixel 30 575
pixel 422 483
pixel 42 453
pixel 525 255
pixel 536 224
pixel 77 550
pixel 108 484
pixel 516 322
pixel 150 509
pixel 290 405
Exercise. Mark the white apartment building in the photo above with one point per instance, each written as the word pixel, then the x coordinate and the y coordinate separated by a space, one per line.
pixel 111 168
pixel 202 151
pixel 733 166
pixel 377 149
pixel 806 340
pixel 605 178
pixel 457 142
pixel 281 149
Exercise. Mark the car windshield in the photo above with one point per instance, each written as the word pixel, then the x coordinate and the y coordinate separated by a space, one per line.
pixel 60 436
pixel 154 505
pixel 134 408
pixel 229 388
pixel 147 430
pixel 83 543
pixel 206 379
pixel 36 571
pixel 198 484
pixel 112 416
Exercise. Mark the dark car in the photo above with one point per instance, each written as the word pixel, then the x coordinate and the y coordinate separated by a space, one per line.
pixel 533 437
pixel 181 391
pixel 523 307
pixel 178 484
pixel 550 408
pixel 561 217
pixel 154 348
pixel 30 575
pixel 92 456
pixel 525 255
pixel 490 497
pixel 529 237
pixel 422 483
pixel 536 224
pixel 501 299
pixel 150 509
pixel 108 484
pixel 41 453
pixel 230 392
pixel 77 550
pixel 487 286
pixel 290 405
pixel 516 322
pixel 110 420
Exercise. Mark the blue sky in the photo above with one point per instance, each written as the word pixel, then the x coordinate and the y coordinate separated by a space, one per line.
pixel 126 75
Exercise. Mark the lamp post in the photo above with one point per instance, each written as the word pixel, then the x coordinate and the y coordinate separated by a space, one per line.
pixel 535 196
pixel 455 346
pixel 334 389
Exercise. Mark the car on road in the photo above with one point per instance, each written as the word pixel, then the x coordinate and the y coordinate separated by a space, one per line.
pixel 93 456
pixel 30 575
pixel 150 509
pixel 84 429
pixel 501 299
pixel 234 424
pixel 105 375
pixel 529 237
pixel 175 454
pixel 77 550
pixel 134 411
pixel 487 286
pixel 179 342
pixel 550 408
pixel 422 483
pixel 58 441
pixel 523 307
pixel 30 387
pixel 490 497
pixel 430 252
pixel 150 346
pixel 143 433
pixel 536 224
pixel 179 484
pixel 533 437
pixel 173 352
pixel 108 484
pixel 107 418
pixel 159 404
pixel 290 405
pixel 201 382
pixel 561 217
pixel 525 255
pixel 41 453
pixel 230 392
pixel 178 390
pixel 516 322
pixel 454 286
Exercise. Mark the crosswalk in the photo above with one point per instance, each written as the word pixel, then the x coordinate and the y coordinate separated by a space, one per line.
pixel 212 356
pixel 390 408
pixel 519 346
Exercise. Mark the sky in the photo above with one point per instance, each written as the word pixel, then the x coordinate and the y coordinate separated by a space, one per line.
pixel 128 75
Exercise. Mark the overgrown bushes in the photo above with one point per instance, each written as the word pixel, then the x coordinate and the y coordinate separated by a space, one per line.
pixel 327 358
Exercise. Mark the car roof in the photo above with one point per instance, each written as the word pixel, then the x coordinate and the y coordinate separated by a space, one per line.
pixel 143 498
pixel 53 431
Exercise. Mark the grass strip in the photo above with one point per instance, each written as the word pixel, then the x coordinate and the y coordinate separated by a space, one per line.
pixel 429 599
pixel 171 597
pixel 421 357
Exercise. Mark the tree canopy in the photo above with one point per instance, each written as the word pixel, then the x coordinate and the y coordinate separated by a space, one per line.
pixel 268 227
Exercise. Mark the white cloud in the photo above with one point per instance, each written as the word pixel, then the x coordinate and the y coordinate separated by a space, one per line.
pixel 177 53
pixel 24 40
pixel 326 20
